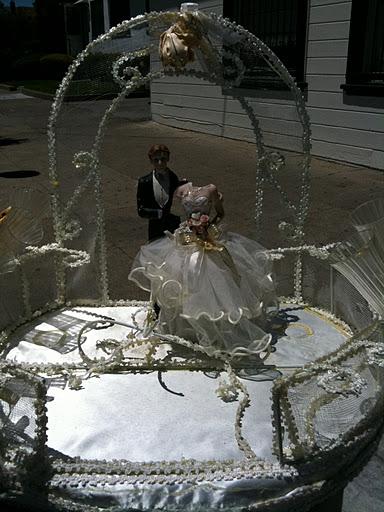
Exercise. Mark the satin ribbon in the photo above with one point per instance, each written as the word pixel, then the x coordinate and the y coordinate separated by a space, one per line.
pixel 211 243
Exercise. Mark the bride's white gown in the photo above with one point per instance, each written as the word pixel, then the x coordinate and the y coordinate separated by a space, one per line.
pixel 216 294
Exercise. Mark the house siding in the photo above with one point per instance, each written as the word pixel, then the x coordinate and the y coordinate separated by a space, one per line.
pixel 345 132
pixel 340 130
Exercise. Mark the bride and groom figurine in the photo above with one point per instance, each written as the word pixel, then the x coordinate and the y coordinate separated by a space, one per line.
pixel 155 194
pixel 213 287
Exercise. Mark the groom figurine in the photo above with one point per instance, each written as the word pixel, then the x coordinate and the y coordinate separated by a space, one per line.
pixel 155 194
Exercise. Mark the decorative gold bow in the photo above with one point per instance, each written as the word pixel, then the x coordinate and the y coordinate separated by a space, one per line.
pixel 177 44
pixel 210 243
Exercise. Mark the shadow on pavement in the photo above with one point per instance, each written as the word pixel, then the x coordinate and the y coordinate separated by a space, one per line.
pixel 19 174
pixel 8 141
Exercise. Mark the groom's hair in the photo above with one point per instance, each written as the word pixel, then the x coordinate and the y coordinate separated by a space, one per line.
pixel 156 148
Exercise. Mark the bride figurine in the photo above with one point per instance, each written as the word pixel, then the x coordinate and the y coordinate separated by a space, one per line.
pixel 213 287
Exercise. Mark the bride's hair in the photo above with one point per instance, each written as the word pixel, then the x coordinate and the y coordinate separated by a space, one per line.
pixel 156 148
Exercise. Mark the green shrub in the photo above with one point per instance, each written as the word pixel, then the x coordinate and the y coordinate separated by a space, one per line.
pixel 7 58
pixel 97 66
pixel 54 65
pixel 27 66
pixel 94 78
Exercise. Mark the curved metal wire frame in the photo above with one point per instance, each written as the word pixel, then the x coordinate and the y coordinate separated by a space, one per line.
pixel 216 24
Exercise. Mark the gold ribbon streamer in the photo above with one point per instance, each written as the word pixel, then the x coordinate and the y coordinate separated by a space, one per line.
pixel 4 214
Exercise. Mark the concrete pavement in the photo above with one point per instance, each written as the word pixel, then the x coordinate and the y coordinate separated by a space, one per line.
pixel 336 190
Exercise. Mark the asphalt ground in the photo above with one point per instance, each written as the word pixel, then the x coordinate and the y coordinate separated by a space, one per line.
pixel 336 189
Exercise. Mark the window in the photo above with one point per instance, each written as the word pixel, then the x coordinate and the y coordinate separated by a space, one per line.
pixel 121 10
pixel 282 25
pixel 97 17
pixel 118 11
pixel 365 67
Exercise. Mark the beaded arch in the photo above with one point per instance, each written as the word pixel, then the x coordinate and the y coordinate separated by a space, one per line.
pixel 129 78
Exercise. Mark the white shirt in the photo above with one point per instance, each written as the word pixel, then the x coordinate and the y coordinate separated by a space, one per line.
pixel 159 190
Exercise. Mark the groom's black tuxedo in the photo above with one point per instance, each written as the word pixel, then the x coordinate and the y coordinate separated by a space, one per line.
pixel 148 207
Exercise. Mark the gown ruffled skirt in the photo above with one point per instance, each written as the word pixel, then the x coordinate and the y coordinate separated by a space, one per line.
pixel 217 295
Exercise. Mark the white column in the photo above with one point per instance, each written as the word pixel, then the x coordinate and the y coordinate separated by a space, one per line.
pixel 107 23
pixel 90 30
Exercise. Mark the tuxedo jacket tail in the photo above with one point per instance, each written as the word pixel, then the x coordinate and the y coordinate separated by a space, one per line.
pixel 148 207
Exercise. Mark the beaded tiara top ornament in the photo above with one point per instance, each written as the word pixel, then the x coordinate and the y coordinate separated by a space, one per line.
pixel 179 44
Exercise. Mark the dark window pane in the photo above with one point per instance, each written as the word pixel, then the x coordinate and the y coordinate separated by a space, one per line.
pixel 366 43
pixel 97 14
pixel 282 25
pixel 118 11
pixel 78 23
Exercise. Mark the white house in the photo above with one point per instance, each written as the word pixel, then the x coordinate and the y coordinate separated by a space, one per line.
pixel 337 55
pixel 333 48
